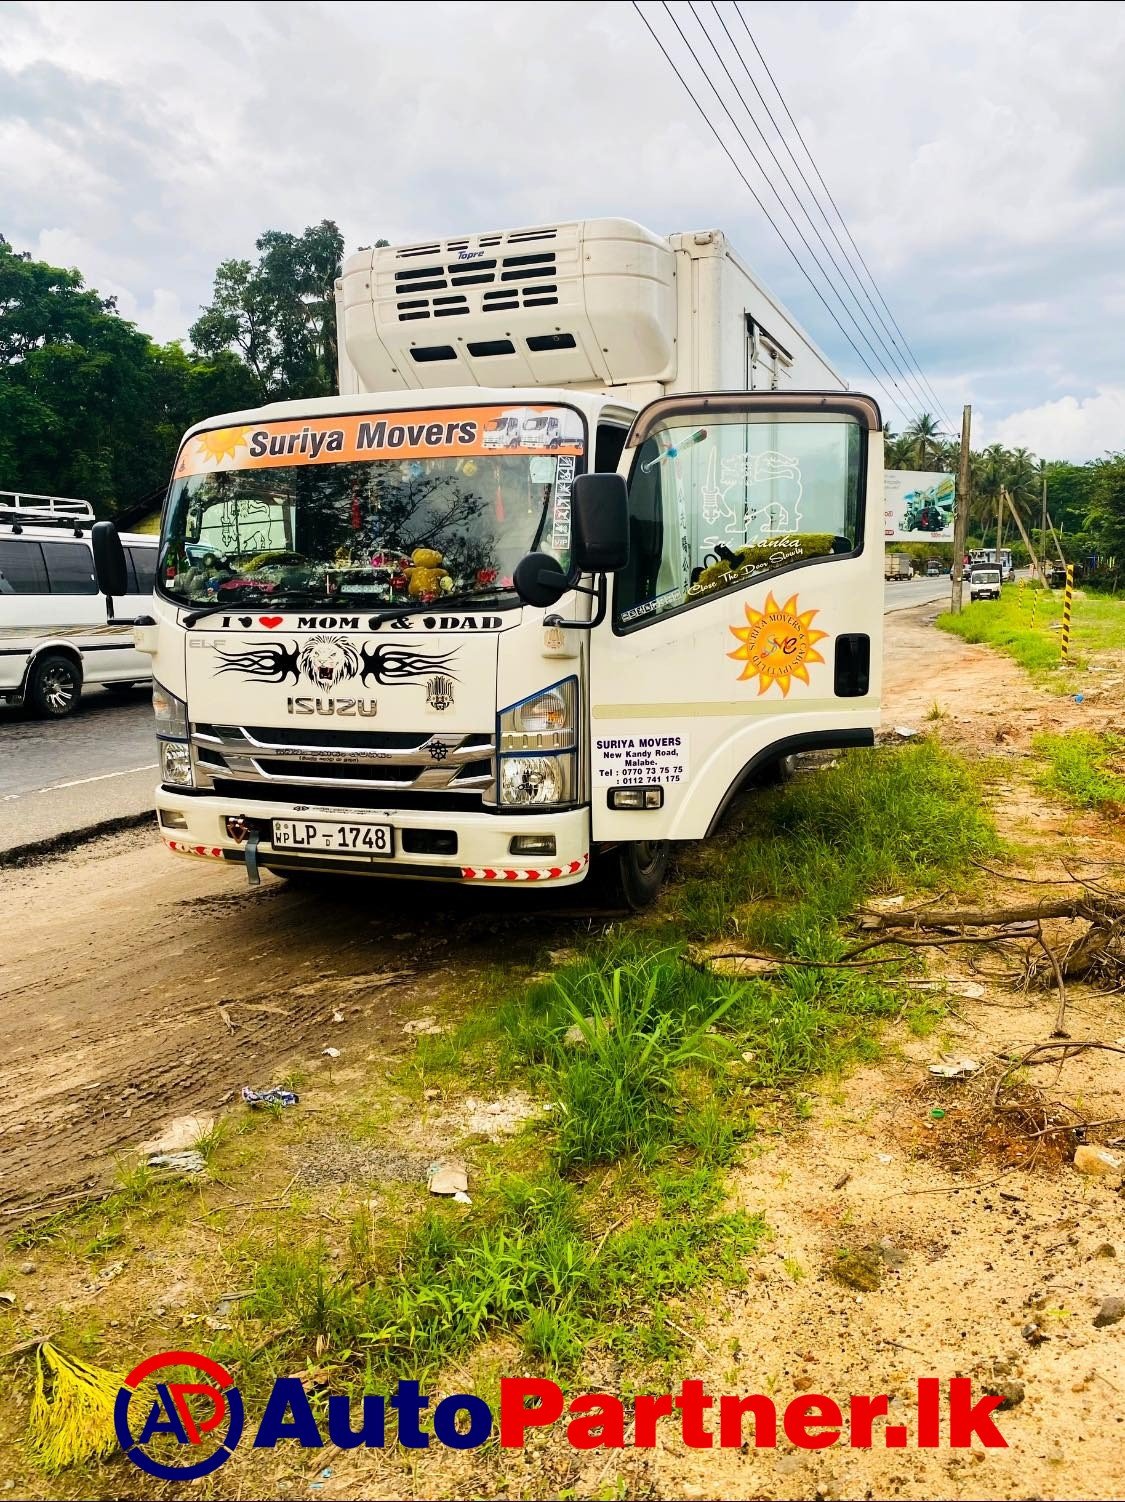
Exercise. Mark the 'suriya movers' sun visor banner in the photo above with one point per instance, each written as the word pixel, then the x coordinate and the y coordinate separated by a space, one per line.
pixel 345 438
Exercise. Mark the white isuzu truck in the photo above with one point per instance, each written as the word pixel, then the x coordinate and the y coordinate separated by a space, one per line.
pixel 590 540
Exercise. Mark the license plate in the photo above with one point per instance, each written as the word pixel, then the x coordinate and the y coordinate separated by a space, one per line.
pixel 316 834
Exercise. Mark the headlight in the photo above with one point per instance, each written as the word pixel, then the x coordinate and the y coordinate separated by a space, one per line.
pixel 170 712
pixel 536 781
pixel 547 721
pixel 547 712
pixel 175 763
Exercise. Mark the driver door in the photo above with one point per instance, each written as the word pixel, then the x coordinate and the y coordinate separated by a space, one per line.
pixel 748 622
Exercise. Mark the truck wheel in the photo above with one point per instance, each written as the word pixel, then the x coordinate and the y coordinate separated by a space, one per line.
pixel 634 872
pixel 54 687
pixel 774 774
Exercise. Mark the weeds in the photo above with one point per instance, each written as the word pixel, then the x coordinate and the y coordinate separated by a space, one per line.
pixel 1084 767
pixel 528 1265
pixel 1007 625
pixel 809 852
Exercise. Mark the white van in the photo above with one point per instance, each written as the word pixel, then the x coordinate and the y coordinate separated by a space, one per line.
pixel 55 633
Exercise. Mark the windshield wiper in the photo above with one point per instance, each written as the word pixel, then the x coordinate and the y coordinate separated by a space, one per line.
pixel 232 607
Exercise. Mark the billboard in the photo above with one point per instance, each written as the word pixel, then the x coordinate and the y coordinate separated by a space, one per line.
pixel 919 506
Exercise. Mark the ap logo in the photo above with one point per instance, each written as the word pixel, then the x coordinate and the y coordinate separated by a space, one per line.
pixel 205 1418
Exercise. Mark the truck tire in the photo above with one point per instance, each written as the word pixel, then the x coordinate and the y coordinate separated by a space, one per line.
pixel 774 774
pixel 55 686
pixel 633 873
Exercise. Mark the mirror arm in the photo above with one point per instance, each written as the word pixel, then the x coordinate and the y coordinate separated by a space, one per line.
pixel 601 594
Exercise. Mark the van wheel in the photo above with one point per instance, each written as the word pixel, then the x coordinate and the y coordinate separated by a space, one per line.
pixel 634 872
pixel 54 687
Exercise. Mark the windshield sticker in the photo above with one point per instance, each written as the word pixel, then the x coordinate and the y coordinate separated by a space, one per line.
pixel 348 437
pixel 560 505
pixel 541 469
pixel 349 623
pixel 777 644
pixel 751 496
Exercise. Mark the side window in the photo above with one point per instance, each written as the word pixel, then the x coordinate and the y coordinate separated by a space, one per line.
pixel 609 443
pixel 21 568
pixel 714 507
pixel 142 570
pixel 70 568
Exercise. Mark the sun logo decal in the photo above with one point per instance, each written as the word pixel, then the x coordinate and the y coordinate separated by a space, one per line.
pixel 214 450
pixel 777 644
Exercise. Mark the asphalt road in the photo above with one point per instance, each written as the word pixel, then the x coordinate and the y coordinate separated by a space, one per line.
pixel 58 776
pixel 905 594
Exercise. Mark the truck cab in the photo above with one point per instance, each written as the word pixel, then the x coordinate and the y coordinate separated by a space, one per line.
pixel 485 634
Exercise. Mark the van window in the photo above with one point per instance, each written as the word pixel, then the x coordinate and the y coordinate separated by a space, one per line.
pixel 21 568
pixel 142 570
pixel 70 568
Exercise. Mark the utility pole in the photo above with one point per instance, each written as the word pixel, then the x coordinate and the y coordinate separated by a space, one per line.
pixel 1000 502
pixel 1043 528
pixel 961 515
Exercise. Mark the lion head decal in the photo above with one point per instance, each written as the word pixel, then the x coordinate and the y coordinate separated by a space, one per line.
pixel 327 661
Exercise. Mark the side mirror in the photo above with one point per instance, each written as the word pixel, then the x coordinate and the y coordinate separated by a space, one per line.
pixel 599 524
pixel 539 580
pixel 109 559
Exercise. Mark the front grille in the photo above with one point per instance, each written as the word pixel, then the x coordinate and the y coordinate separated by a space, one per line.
pixel 313 762
pixel 335 797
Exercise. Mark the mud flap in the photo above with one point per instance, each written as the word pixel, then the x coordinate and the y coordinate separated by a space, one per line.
pixel 252 875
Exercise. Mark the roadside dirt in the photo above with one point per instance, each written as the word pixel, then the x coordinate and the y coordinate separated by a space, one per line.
pixel 138 987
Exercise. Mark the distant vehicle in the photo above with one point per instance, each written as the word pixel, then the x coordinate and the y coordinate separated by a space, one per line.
pixel 1055 575
pixel 933 569
pixel 984 583
pixel 55 633
pixel 988 555
pixel 897 566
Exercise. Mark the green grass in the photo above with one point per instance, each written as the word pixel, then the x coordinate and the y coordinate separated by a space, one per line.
pixel 806 854
pixel 1086 769
pixel 1097 625
pixel 525 1262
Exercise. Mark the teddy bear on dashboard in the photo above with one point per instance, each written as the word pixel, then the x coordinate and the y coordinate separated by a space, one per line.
pixel 427 575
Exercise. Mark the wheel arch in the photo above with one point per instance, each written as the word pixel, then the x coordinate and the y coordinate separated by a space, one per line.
pixel 789 745
pixel 51 648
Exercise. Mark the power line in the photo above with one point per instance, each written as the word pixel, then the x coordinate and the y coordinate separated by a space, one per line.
pixel 843 223
pixel 813 227
pixel 916 393
pixel 892 399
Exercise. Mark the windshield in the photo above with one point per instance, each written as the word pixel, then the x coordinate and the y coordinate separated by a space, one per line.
pixel 986 576
pixel 403 507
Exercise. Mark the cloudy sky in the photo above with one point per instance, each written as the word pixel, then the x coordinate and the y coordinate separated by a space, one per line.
pixel 977 152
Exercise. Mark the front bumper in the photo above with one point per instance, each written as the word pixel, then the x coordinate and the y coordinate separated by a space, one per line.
pixel 482 853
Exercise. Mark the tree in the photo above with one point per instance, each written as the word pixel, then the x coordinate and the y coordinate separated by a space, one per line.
pixel 1106 517
pixel 279 314
pixel 923 441
pixel 89 406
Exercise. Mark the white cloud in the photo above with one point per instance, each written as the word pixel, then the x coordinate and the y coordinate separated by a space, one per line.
pixel 975 149
pixel 1070 428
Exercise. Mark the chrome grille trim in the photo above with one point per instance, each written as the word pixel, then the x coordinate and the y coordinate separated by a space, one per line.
pixel 437 761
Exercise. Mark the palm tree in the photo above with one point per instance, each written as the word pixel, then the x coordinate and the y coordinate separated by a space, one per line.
pixel 991 474
pixel 923 440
